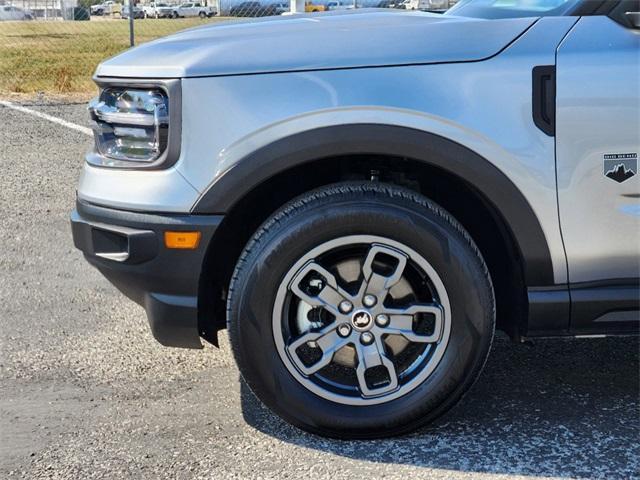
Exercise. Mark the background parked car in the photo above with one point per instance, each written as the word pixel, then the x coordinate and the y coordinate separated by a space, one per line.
pixel 151 10
pixel 339 5
pixel 281 7
pixel 9 12
pixel 427 5
pixel 253 9
pixel 164 10
pixel 138 12
pixel 193 10
pixel 106 8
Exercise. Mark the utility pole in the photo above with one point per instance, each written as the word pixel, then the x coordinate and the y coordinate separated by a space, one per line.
pixel 131 35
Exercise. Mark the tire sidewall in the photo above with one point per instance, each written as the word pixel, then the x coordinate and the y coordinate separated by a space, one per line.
pixel 438 241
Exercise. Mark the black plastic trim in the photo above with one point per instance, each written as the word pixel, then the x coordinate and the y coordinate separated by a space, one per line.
pixel 610 306
pixel 549 311
pixel 623 12
pixel 593 7
pixel 133 246
pixel 376 139
pixel 164 281
pixel 544 98
pixel 607 307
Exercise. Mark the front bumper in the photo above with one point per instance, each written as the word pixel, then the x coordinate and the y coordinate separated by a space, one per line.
pixel 128 249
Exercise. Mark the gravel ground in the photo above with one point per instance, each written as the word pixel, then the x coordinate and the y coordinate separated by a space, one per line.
pixel 87 392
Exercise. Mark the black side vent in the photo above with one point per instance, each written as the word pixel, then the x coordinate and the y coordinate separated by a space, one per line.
pixel 544 98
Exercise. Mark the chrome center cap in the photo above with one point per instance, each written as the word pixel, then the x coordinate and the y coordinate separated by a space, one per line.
pixel 361 320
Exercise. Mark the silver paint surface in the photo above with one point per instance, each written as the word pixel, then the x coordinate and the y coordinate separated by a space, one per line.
pixel 598 113
pixel 346 39
pixel 442 99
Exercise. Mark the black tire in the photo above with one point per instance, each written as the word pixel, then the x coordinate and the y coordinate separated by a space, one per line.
pixel 346 209
pixel 202 15
pixel 175 15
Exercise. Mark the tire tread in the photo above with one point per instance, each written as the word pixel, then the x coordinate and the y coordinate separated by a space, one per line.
pixel 369 190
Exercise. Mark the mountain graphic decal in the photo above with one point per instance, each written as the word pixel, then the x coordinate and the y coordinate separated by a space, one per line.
pixel 620 167
pixel 619 173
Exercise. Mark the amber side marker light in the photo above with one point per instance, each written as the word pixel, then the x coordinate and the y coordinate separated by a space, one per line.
pixel 182 240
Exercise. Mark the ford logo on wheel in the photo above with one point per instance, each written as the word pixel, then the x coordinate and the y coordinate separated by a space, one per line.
pixel 361 319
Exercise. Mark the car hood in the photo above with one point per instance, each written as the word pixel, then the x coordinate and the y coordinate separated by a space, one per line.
pixel 344 39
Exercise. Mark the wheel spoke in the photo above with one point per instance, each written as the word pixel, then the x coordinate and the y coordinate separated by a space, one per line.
pixel 401 322
pixel 370 356
pixel 376 283
pixel 329 294
pixel 327 340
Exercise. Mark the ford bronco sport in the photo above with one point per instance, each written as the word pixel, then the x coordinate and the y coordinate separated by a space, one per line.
pixel 363 218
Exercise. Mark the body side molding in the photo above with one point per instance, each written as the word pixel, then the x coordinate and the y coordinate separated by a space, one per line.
pixel 378 139
pixel 606 307
pixel 610 306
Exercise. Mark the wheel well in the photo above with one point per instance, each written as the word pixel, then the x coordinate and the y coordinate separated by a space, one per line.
pixel 469 206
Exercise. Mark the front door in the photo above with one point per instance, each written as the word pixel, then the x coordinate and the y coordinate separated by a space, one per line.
pixel 597 148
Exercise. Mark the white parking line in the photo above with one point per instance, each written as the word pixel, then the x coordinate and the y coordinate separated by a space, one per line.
pixel 59 121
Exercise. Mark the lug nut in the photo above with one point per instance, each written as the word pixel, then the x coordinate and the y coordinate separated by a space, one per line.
pixel 369 300
pixel 382 320
pixel 345 306
pixel 366 338
pixel 344 330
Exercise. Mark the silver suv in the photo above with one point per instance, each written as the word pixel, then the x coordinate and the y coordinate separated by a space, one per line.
pixel 362 216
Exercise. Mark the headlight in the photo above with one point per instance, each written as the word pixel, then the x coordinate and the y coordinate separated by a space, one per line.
pixel 131 124
pixel 136 124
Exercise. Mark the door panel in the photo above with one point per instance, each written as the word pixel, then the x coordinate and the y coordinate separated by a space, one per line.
pixel 598 133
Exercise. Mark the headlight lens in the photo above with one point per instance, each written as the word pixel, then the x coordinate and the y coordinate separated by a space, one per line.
pixel 130 124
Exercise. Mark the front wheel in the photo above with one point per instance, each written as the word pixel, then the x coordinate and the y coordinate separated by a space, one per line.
pixel 174 15
pixel 360 310
pixel 202 15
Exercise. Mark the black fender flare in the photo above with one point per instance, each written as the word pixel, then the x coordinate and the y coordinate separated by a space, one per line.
pixel 392 140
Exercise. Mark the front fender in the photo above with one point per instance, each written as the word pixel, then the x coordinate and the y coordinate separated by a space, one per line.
pixel 485 108
pixel 311 145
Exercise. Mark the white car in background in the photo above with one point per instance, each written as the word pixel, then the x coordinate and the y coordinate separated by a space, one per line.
pixel 154 10
pixel 192 10
pixel 339 5
pixel 282 7
pixel 427 5
pixel 164 10
pixel 10 12
pixel 137 12
pixel 106 8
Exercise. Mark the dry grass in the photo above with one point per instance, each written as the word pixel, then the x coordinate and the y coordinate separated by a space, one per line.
pixel 60 57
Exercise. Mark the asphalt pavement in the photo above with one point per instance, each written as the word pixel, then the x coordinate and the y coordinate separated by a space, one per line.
pixel 85 391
